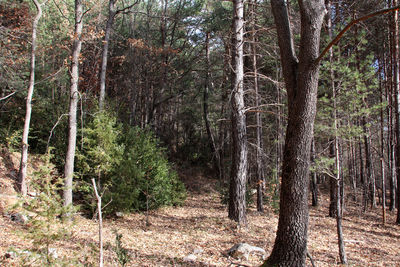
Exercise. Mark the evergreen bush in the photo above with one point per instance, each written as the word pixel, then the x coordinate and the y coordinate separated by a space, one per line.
pixel 45 224
pixel 131 170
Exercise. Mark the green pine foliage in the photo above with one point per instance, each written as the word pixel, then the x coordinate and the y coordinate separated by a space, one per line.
pixel 132 170
pixel 122 253
pixel 354 75
pixel 144 179
pixel 45 210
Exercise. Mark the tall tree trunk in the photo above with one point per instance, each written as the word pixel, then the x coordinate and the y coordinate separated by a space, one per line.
pixel 22 186
pixel 73 104
pixel 260 176
pixel 237 190
pixel 369 192
pixel 333 189
pixel 314 184
pixel 210 135
pixel 338 171
pixel 301 79
pixel 382 144
pixel 396 80
pixel 391 143
pixel 334 193
pixel 104 56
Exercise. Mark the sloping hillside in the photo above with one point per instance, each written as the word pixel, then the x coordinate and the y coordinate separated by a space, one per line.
pixel 201 225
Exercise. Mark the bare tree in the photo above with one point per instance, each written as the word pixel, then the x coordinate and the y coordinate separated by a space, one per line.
pixel 73 104
pixel 22 186
pixel 112 12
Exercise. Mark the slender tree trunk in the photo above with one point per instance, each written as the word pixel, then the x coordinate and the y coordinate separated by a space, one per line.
pixel 237 196
pixel 314 185
pixel 391 136
pixel 362 173
pixel 338 171
pixel 210 135
pixel 368 166
pixel 259 149
pixel 391 148
pixel 22 186
pixel 104 57
pixel 73 104
pixel 224 96
pixel 334 193
pixel 353 166
pixel 301 79
pixel 333 190
pixel 396 80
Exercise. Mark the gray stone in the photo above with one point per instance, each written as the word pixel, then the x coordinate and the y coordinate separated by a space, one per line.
pixel 243 250
pixel 198 251
pixel 119 214
pixel 19 218
pixel 190 258
pixel 53 253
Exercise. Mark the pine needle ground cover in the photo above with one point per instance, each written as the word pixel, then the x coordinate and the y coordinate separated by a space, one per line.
pixel 201 223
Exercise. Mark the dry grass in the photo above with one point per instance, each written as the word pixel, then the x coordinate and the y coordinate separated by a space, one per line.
pixel 174 232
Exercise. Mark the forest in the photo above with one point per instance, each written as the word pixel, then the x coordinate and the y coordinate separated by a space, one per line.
pixel 199 133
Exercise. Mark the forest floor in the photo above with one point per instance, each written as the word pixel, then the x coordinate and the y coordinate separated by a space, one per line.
pixel 202 223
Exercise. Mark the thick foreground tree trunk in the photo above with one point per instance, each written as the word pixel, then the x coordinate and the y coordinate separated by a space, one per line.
pixel 22 186
pixel 73 105
pixel 301 79
pixel 237 190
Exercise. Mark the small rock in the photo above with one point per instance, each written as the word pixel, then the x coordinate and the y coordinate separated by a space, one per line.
pixel 190 258
pixel 243 250
pixel 198 251
pixel 53 253
pixel 10 255
pixel 119 214
pixel 32 194
pixel 19 218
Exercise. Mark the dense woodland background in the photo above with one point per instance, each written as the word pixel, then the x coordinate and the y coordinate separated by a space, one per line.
pixel 156 92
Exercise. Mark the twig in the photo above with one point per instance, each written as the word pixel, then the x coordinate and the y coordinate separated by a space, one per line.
pixel 52 129
pixel 7 96
pixel 237 263
pixel 311 259
pixel 100 223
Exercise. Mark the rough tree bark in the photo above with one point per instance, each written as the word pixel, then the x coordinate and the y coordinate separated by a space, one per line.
pixel 73 104
pixel 22 186
pixel 301 79
pixel 237 190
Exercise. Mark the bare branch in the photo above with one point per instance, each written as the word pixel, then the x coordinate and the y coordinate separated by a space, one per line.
pixel 126 8
pixel 7 96
pixel 352 23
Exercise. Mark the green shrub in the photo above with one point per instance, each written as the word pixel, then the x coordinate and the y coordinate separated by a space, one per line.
pixel 132 170
pixel 122 253
pixel 44 211
pixel 144 178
